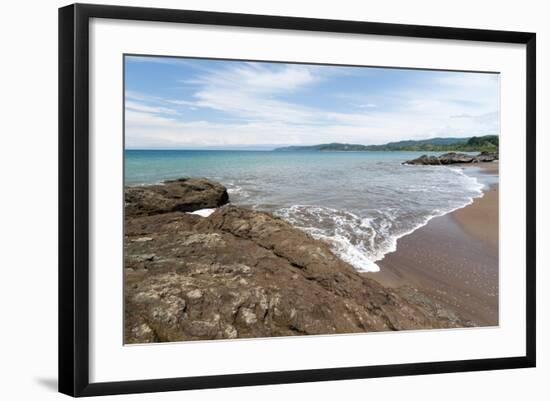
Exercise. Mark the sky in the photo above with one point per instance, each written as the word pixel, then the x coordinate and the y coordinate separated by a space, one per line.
pixel 184 103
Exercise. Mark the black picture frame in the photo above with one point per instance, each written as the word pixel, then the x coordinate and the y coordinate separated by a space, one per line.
pixel 74 201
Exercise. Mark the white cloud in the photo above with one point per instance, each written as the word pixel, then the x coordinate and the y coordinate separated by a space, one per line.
pixel 249 92
pixel 254 98
pixel 259 78
pixel 136 106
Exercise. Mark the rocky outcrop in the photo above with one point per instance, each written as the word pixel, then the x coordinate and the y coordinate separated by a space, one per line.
pixel 453 158
pixel 242 273
pixel 183 195
pixel 425 160
pixel 486 157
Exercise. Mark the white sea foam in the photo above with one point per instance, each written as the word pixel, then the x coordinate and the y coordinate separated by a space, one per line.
pixel 203 212
pixel 237 190
pixel 350 253
pixel 344 231
pixel 363 240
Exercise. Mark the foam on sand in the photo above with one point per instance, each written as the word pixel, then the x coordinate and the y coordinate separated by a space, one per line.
pixel 362 240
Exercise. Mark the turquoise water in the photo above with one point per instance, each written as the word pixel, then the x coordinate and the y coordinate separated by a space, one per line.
pixel 359 202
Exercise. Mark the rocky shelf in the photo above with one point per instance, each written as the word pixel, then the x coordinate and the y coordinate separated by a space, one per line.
pixel 454 158
pixel 242 273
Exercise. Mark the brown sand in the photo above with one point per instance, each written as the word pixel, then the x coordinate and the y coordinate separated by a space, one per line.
pixel 481 221
pixel 454 259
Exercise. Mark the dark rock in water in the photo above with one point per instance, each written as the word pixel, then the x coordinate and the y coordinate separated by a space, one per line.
pixel 453 158
pixel 485 157
pixel 183 195
pixel 424 160
pixel 244 273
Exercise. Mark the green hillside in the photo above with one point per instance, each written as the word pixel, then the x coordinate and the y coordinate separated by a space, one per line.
pixel 472 144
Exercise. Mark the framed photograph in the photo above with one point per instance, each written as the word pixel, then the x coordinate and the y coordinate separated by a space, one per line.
pixel 250 199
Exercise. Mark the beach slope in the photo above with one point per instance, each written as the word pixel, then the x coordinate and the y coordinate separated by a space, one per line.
pixel 454 259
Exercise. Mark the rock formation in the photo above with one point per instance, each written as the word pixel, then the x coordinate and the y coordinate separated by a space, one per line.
pixel 183 195
pixel 242 273
pixel 454 158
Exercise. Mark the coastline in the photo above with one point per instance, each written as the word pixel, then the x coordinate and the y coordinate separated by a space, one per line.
pixel 243 273
pixel 453 258
pixel 236 272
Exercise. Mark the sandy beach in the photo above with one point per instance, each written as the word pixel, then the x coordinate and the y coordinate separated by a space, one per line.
pixel 236 272
pixel 453 259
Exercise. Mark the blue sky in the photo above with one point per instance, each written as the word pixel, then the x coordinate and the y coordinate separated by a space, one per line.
pixel 196 103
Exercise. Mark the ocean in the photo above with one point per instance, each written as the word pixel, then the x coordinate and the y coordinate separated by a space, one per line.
pixel 358 202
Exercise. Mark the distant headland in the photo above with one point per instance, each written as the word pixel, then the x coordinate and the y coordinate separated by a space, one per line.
pixel 488 143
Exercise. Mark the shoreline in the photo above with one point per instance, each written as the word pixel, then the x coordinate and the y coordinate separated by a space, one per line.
pixel 453 258
pixel 242 273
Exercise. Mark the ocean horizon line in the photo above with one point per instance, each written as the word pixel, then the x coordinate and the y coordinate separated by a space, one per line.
pixel 207 149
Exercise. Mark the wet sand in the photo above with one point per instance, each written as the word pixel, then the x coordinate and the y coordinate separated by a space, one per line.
pixel 453 259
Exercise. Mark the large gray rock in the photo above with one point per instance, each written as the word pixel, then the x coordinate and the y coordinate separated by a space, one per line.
pixel 183 195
